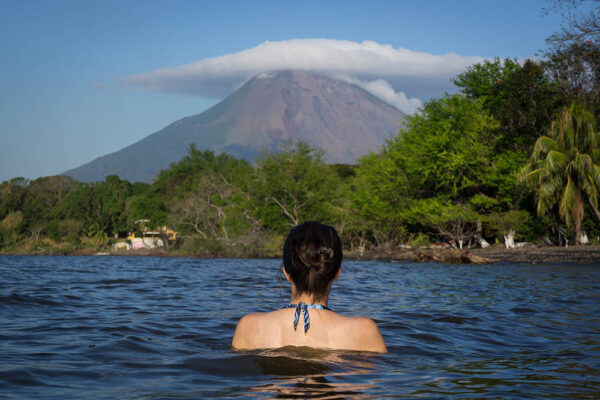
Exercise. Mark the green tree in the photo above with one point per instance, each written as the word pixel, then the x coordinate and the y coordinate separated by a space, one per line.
pixel 43 204
pixel 446 149
pixel 379 190
pixel 479 80
pixel 113 194
pixel 503 225
pixel 294 185
pixel 149 206
pixel 520 97
pixel 439 162
pixel 184 175
pixel 448 219
pixel 83 204
pixel 564 168
pixel 12 195
pixel 10 229
pixel 205 210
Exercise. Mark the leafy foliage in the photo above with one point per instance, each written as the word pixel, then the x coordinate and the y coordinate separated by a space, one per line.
pixel 294 185
pixel 564 167
pixel 519 97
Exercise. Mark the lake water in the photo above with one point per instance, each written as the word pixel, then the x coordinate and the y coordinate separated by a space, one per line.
pixel 152 328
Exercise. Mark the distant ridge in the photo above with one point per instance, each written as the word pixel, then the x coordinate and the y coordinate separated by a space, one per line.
pixel 340 118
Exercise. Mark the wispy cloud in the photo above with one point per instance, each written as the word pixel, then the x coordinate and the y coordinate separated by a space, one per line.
pixel 399 76
pixel 382 89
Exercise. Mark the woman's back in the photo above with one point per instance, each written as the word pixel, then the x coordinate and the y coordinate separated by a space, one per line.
pixel 312 258
pixel 328 330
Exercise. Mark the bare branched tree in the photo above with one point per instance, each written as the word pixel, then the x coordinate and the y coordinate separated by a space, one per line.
pixel 458 229
pixel 583 22
pixel 573 57
pixel 203 210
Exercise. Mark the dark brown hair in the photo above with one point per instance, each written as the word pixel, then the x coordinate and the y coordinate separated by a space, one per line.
pixel 312 256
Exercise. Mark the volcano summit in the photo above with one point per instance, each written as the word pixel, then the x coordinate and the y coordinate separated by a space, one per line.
pixel 338 117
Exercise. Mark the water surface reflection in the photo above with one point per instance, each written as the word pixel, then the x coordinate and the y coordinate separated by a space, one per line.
pixel 112 327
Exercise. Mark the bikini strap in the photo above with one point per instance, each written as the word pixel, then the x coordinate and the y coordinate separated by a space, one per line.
pixel 304 307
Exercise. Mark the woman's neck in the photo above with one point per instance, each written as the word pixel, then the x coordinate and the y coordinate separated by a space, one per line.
pixel 309 298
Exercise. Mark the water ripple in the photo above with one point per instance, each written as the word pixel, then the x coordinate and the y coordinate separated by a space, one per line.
pixel 142 327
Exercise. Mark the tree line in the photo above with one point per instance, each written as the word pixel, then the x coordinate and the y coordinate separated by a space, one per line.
pixel 516 151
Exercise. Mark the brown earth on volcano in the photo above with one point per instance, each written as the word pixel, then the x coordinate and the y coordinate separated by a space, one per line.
pixel 340 118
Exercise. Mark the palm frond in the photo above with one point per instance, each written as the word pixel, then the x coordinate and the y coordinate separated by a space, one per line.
pixel 543 146
pixel 595 154
pixel 555 161
pixel 529 175
pixel 567 200
pixel 595 175
pixel 565 164
pixel 549 193
pixel 591 190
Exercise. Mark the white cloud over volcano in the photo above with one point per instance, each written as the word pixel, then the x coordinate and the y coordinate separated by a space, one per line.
pixel 401 77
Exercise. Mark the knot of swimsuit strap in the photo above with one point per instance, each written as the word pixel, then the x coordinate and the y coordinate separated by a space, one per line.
pixel 301 306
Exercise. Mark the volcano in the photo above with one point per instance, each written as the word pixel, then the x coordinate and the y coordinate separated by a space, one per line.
pixel 340 118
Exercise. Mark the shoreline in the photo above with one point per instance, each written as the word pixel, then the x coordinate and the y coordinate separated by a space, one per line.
pixel 543 255
pixel 531 254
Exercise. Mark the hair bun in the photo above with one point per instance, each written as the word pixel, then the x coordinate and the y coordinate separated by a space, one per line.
pixel 312 254
pixel 326 251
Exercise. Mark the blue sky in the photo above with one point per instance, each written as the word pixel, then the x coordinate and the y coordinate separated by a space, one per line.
pixel 78 78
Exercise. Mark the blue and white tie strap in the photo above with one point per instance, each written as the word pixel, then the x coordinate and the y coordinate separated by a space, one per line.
pixel 304 307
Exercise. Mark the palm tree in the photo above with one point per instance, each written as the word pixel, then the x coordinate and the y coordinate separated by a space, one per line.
pixel 564 167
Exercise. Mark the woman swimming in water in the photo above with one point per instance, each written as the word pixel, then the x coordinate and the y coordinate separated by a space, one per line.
pixel 312 257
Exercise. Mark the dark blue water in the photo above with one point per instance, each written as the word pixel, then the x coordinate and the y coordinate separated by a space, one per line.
pixel 112 327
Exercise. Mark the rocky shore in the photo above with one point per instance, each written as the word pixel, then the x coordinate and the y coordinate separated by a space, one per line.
pixel 544 254
pixel 530 254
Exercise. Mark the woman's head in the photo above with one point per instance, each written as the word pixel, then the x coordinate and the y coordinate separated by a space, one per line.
pixel 312 256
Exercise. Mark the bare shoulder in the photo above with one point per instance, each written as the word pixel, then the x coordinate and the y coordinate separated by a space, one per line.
pixel 366 334
pixel 242 337
pixel 251 331
pixel 249 319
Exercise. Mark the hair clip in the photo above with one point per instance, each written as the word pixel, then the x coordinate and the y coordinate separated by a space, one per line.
pixel 325 250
